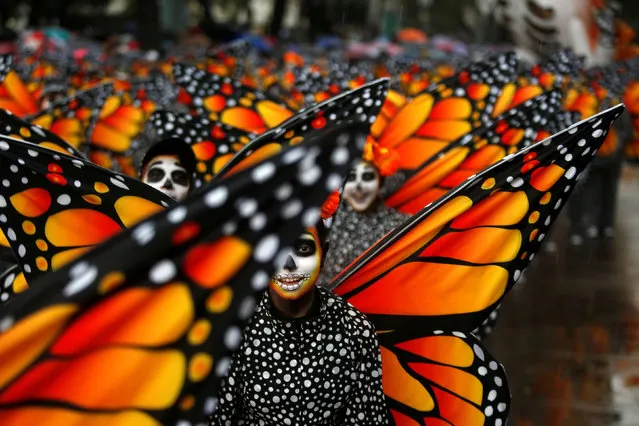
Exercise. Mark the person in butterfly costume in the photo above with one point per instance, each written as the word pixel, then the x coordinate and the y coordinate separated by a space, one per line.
pixel 169 166
pixel 308 357
pixel 363 218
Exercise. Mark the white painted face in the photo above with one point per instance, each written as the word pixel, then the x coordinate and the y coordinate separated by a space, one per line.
pixel 362 187
pixel 166 174
pixel 301 269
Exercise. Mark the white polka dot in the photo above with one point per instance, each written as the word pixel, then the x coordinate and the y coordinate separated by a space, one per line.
pixel 22 250
pixel 311 217
pixel 6 183
pixel 571 173
pixel 488 411
pixel 4 146
pixel 162 272
pixel 81 280
pixel 501 407
pixel 64 200
pixel 14 168
pixel 216 197
pixel 293 155
pixel 340 156
pixel 258 222
pixel 597 133
pixel 247 207
pixel 482 371
pixel 308 176
pixel 177 215
pixel 492 395
pixel 263 172
pixel 3 202
pixel 517 182
pixel 260 281
pixel 11 234
pixel 232 338
pixel 284 192
pixel 32 153
pixel 498 381
pixel 479 352
pixel 144 233
pixel 308 384
pixel 291 209
pixel 6 323
pixel 266 249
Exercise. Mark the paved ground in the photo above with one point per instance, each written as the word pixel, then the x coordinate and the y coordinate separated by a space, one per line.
pixel 569 336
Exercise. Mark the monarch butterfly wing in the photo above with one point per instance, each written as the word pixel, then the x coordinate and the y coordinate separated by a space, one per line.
pixel 213 143
pixel 559 69
pixel 12 282
pixel 73 118
pixel 15 95
pixel 57 207
pixel 114 138
pixel 445 112
pixel 358 106
pixel 20 129
pixel 516 129
pixel 442 378
pixel 226 100
pixel 191 274
pixel 449 265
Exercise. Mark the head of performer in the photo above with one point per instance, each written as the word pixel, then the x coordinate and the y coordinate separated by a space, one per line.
pixel 364 182
pixel 168 166
pixel 302 266
pixel 295 279
pixel 362 186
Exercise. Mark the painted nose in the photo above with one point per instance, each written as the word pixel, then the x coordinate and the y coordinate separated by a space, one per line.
pixel 168 184
pixel 290 264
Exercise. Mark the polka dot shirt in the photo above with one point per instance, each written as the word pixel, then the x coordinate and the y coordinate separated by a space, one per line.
pixel 322 370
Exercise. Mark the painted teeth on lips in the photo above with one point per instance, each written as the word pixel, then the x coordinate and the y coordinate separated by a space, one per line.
pixel 290 282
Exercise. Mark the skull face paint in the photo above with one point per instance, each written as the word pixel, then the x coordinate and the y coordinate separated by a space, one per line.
pixel 301 269
pixel 166 174
pixel 362 187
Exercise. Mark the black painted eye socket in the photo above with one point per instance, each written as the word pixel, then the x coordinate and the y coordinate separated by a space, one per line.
pixel 351 177
pixel 180 177
pixel 305 247
pixel 369 176
pixel 155 175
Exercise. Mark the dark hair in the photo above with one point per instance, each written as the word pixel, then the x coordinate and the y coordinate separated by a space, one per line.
pixel 171 146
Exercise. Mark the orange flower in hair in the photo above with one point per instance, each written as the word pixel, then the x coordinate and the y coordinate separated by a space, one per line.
pixel 331 205
pixel 385 159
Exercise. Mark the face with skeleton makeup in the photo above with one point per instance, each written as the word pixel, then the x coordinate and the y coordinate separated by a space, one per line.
pixel 362 187
pixel 166 174
pixel 301 268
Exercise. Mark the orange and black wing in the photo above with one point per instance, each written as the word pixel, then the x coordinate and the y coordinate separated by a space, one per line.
pixel 226 100
pixel 165 316
pixel 434 119
pixel 449 266
pixel 12 282
pixel 516 129
pixel 560 68
pixel 17 96
pixel 57 207
pixel 73 118
pixel 213 143
pixel 356 106
pixel 121 120
pixel 17 128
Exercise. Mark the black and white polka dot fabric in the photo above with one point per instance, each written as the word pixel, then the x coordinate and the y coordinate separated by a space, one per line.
pixel 322 370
